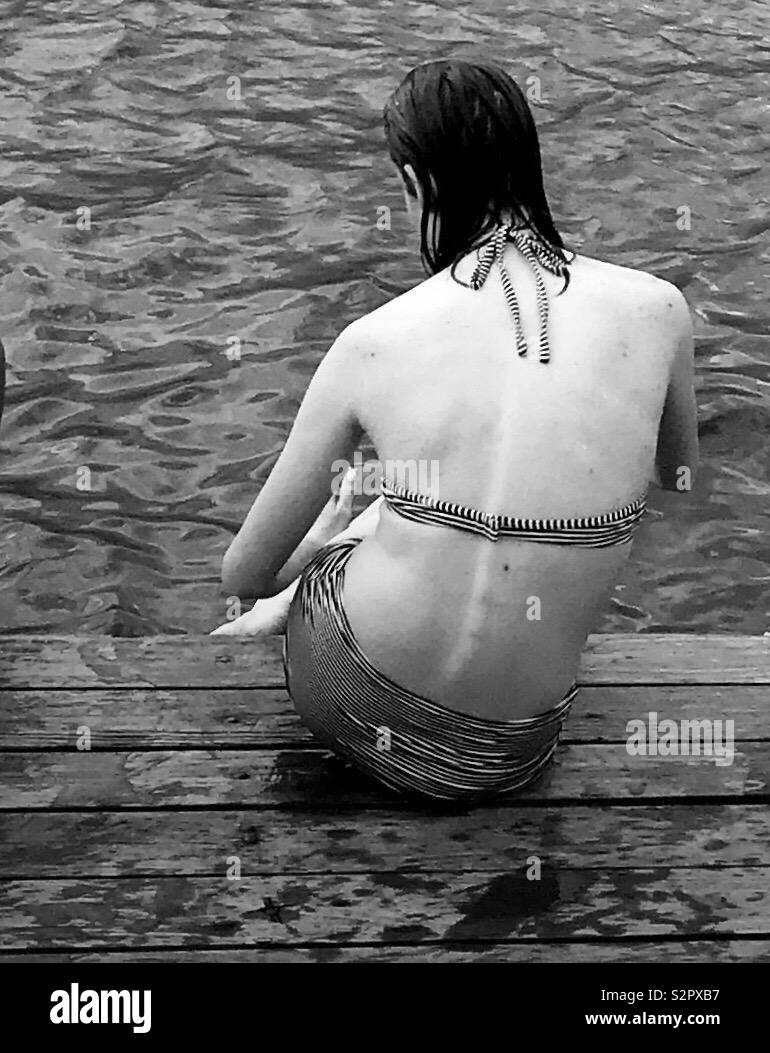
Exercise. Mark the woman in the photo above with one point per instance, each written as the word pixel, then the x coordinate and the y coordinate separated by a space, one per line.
pixel 435 642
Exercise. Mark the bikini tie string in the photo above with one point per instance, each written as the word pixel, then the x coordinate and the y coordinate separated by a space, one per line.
pixel 534 252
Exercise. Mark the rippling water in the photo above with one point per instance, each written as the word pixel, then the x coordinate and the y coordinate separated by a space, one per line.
pixel 213 218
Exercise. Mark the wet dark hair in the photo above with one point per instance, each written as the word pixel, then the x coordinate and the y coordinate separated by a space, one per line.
pixel 469 134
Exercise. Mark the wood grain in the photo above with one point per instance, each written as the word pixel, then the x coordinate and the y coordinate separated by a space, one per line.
pixel 200 842
pixel 198 762
pixel 229 718
pixel 573 952
pixel 216 661
pixel 385 908
pixel 197 778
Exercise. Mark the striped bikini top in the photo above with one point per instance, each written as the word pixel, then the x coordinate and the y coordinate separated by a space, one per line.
pixel 610 528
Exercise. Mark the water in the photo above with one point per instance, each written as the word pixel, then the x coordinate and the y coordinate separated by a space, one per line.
pixel 213 218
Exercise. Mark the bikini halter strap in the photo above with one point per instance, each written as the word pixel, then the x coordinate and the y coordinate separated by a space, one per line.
pixel 534 252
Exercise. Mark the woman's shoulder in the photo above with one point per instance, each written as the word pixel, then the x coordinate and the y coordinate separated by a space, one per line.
pixel 645 304
pixel 410 312
pixel 376 328
pixel 643 284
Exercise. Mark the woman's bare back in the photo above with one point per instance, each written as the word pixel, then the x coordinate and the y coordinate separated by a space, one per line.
pixel 496 628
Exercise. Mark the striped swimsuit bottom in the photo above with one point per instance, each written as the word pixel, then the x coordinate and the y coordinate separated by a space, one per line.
pixel 408 742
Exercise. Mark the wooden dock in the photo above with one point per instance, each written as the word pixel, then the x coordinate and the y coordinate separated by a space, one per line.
pixel 160 801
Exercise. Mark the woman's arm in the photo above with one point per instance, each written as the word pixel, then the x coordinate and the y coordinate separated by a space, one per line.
pixel 676 459
pixel 326 430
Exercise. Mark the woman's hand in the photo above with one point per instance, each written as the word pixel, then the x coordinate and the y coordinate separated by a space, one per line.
pixel 335 516
pixel 336 513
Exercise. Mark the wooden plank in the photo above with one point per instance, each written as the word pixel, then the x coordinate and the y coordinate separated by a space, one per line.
pixel 215 661
pixel 229 718
pixel 387 908
pixel 568 951
pixel 171 718
pixel 134 844
pixel 676 658
pixel 144 662
pixel 201 778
